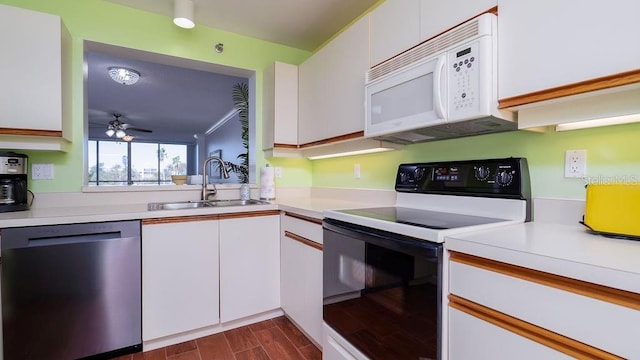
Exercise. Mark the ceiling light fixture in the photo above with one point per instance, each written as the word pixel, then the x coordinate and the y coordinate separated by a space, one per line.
pixel 124 76
pixel 127 138
pixel 183 13
pixel 116 127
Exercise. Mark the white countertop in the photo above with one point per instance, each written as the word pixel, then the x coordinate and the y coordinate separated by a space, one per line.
pixel 79 214
pixel 76 214
pixel 567 250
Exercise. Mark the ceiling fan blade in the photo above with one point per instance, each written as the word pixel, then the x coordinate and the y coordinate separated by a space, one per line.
pixel 138 129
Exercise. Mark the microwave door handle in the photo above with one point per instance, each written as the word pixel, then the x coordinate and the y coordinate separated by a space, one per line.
pixel 437 86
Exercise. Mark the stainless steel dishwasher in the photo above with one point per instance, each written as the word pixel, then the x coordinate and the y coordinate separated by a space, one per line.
pixel 71 291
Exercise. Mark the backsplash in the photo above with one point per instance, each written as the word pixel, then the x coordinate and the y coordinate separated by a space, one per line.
pixel 613 154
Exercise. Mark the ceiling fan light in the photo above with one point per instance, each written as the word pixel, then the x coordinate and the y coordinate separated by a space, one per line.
pixel 127 138
pixel 183 13
pixel 120 133
pixel 110 132
pixel 124 76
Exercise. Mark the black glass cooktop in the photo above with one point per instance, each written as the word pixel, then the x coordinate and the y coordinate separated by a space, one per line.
pixel 423 218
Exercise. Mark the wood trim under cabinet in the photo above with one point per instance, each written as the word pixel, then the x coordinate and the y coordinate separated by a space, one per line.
pixel 248 214
pixel 355 135
pixel 532 332
pixel 599 292
pixel 600 83
pixel 303 240
pixel 31 132
pixel 286 146
pixel 179 219
pixel 304 218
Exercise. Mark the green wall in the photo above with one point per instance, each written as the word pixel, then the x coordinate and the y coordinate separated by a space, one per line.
pixel 105 22
pixel 613 153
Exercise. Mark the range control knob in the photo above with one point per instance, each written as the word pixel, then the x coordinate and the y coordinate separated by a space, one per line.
pixel 482 173
pixel 504 178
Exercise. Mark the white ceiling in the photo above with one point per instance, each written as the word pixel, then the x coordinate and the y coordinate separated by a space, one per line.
pixel 303 24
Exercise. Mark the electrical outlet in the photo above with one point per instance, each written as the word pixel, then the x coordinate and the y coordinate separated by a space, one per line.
pixel 356 171
pixel 42 171
pixel 278 172
pixel 575 164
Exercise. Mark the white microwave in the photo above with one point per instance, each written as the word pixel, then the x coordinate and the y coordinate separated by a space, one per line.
pixel 443 88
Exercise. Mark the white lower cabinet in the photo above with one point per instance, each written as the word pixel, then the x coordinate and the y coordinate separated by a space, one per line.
pixel 249 264
pixel 566 315
pixel 473 338
pixel 180 289
pixel 301 273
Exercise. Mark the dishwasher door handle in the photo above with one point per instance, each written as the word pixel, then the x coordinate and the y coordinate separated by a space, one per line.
pixel 75 239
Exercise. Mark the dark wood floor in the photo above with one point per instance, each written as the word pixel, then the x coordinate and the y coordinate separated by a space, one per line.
pixel 275 339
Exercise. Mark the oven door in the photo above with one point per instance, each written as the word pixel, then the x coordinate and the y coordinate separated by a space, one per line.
pixel 382 291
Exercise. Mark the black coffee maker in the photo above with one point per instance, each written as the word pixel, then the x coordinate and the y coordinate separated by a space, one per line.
pixel 13 182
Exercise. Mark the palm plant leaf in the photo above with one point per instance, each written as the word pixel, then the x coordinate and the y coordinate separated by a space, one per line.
pixel 240 96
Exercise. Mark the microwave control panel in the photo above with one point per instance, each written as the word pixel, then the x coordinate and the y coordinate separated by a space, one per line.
pixel 464 80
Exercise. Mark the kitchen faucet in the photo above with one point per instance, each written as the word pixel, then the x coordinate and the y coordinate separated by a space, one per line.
pixel 206 194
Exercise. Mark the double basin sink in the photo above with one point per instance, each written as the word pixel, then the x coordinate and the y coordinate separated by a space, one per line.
pixel 177 205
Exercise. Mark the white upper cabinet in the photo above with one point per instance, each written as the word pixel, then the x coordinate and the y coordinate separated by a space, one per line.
pixel 331 87
pixel 545 44
pixel 35 96
pixel 280 106
pixel 395 27
pixel 398 25
pixel 437 16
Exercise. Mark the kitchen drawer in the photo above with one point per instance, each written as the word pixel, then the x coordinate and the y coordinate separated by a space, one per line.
pixel 304 226
pixel 601 317
pixel 473 338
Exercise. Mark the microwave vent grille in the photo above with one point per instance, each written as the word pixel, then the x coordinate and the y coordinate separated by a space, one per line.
pixel 426 49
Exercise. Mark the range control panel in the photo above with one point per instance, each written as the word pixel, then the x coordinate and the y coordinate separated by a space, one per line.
pixel 507 178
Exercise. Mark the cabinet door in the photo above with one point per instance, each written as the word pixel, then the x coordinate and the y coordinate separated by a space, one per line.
pixel 179 277
pixel 395 27
pixel 31 96
pixel 438 16
pixel 311 97
pixel 545 44
pixel 280 100
pixel 249 266
pixel 301 279
pixel 332 86
pixel 472 338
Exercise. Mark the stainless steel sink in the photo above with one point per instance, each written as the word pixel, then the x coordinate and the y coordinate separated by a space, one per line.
pixel 177 205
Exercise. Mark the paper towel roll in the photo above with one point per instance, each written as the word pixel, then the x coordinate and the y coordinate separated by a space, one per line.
pixel 267 183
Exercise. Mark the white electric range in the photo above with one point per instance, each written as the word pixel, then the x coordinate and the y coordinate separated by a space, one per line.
pixel 383 267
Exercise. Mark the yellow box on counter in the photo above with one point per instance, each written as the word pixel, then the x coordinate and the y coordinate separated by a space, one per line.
pixel 613 209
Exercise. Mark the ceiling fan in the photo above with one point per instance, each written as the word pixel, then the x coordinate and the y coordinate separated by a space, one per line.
pixel 119 128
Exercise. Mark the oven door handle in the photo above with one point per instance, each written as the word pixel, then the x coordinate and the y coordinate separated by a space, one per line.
pixel 385 239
